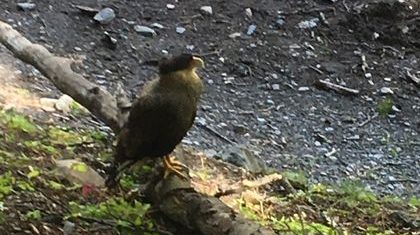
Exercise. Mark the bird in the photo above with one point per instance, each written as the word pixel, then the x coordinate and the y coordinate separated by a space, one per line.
pixel 160 117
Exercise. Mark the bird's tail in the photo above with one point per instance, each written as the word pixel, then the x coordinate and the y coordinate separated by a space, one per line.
pixel 114 174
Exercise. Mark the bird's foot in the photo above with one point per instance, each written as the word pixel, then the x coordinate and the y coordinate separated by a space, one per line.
pixel 173 166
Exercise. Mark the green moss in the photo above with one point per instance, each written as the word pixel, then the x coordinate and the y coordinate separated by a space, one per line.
pixel 17 122
pixel 62 137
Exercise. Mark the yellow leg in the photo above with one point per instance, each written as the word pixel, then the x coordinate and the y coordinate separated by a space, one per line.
pixel 173 166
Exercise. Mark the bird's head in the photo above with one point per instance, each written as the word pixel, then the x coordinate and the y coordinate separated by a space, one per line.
pixel 183 62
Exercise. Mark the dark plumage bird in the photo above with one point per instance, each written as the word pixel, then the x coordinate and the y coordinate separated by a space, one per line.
pixel 161 116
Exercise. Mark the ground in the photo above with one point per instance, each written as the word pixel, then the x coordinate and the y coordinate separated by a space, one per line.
pixel 260 88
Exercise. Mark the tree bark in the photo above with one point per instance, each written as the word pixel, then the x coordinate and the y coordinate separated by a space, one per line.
pixel 174 197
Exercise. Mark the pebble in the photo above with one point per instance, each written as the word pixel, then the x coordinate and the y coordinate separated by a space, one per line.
pixel 157 26
pixel 145 31
pixel 68 227
pixel 280 21
pixel 190 47
pixel 251 29
pixel 261 120
pixel 235 35
pixel 248 12
pixel 207 10
pixel 303 88
pixel 387 90
pixel 180 30
pixel 26 6
pixel 105 16
pixel 329 129
pixel 170 6
pixel 308 24
pixel 275 87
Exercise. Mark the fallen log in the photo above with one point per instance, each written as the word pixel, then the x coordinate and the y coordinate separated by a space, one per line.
pixel 58 70
pixel 174 197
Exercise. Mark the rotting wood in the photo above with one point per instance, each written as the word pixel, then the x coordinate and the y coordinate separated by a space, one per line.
pixel 174 197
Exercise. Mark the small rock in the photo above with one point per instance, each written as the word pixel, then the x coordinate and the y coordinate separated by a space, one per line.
pixel 105 16
pixel 303 88
pixel 329 129
pixel 48 104
pixel 242 156
pixel 78 49
pixel 145 31
pixel 317 143
pixel 387 79
pixel 235 35
pixel 26 6
pixel 251 29
pixel 170 6
pixel 180 30
pixel 275 87
pixel 190 47
pixel 308 24
pixel 157 26
pixel 248 12
pixel 78 172
pixel 261 120
pixel 368 75
pixel 280 21
pixel 386 90
pixel 201 121
pixel 68 227
pixel 64 103
pixel 207 10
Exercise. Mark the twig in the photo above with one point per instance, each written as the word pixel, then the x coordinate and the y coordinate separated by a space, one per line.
pixel 345 6
pixel 368 120
pixel 322 84
pixel 217 134
pixel 413 78
pixel 309 11
pixel 316 69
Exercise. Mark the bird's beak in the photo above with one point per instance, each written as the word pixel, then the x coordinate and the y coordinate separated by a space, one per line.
pixel 197 62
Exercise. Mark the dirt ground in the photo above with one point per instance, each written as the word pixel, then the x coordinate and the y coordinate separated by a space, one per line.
pixel 260 87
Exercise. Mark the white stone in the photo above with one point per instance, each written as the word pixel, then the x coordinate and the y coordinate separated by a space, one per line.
pixel 208 10
pixel 64 103
pixel 48 104
pixel 78 172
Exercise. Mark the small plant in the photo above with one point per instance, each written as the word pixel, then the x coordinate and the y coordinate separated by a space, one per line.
pixel 34 215
pixel 6 184
pixel 385 106
pixel 128 215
